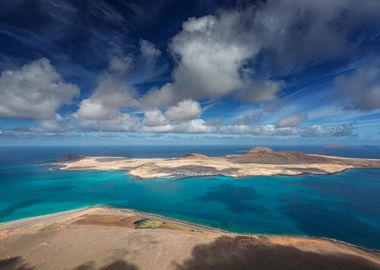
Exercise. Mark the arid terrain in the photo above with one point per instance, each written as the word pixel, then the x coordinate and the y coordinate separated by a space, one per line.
pixel 256 162
pixel 114 239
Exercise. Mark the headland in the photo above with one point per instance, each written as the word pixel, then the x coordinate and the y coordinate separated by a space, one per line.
pixel 103 238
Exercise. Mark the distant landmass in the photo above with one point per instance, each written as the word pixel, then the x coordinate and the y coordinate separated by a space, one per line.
pixel 259 161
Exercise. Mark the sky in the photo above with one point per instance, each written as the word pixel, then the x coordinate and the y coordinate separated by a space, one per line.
pixel 269 72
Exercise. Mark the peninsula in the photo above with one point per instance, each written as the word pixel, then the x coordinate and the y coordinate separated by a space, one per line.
pixel 120 239
pixel 260 161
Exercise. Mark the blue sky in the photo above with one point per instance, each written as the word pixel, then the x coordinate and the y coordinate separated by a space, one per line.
pixel 202 72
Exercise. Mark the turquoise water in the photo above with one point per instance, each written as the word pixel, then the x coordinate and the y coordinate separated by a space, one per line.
pixel 344 206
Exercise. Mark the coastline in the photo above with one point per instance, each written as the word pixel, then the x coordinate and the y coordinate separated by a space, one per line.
pixel 25 220
pixel 47 236
pixel 97 236
pixel 256 162
pixel 36 218
pixel 160 217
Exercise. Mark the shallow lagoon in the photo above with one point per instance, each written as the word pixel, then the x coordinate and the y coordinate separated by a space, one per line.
pixel 344 206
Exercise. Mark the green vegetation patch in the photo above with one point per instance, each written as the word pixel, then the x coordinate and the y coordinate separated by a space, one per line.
pixel 147 223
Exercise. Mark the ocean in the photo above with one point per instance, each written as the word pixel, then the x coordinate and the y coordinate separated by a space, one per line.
pixel 344 206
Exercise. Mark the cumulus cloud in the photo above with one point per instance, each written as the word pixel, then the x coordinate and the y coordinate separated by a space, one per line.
pixel 214 51
pixel 177 118
pixel 323 131
pixel 184 110
pixel 52 125
pixel 119 122
pixel 34 91
pixel 291 121
pixel 104 109
pixel 361 90
pixel 194 126
pixel 216 55
pixel 190 126
pixel 120 65
pixel 148 51
pixel 108 98
pixel 211 50
pixel 154 118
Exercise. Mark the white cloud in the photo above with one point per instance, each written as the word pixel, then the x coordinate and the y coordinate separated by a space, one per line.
pixel 323 131
pixel 211 50
pixel 154 118
pixel 119 122
pixel 264 130
pixel 190 126
pixel 272 130
pixel 194 126
pixel 236 129
pixel 160 97
pixel 184 110
pixel 34 91
pixel 291 121
pixel 214 51
pixel 213 54
pixel 111 95
pixel 210 55
pixel 120 65
pixel 260 91
pixel 52 125
pixel 159 129
pixel 148 51
pixel 104 109
pixel 179 118
pixel 362 88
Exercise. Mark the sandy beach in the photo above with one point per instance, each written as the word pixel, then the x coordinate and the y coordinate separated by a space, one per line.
pixel 109 238
pixel 256 162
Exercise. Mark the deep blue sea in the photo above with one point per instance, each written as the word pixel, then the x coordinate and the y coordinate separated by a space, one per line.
pixel 343 206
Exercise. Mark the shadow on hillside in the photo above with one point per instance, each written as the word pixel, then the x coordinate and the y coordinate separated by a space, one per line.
pixel 18 263
pixel 243 253
pixel 15 263
pixel 231 253
pixel 116 265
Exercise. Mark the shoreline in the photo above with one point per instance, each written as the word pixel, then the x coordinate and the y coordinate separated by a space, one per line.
pixel 100 236
pixel 194 225
pixel 255 162
pixel 103 237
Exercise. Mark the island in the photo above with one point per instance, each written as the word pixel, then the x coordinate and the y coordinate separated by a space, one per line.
pixel 260 161
pixel 103 238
